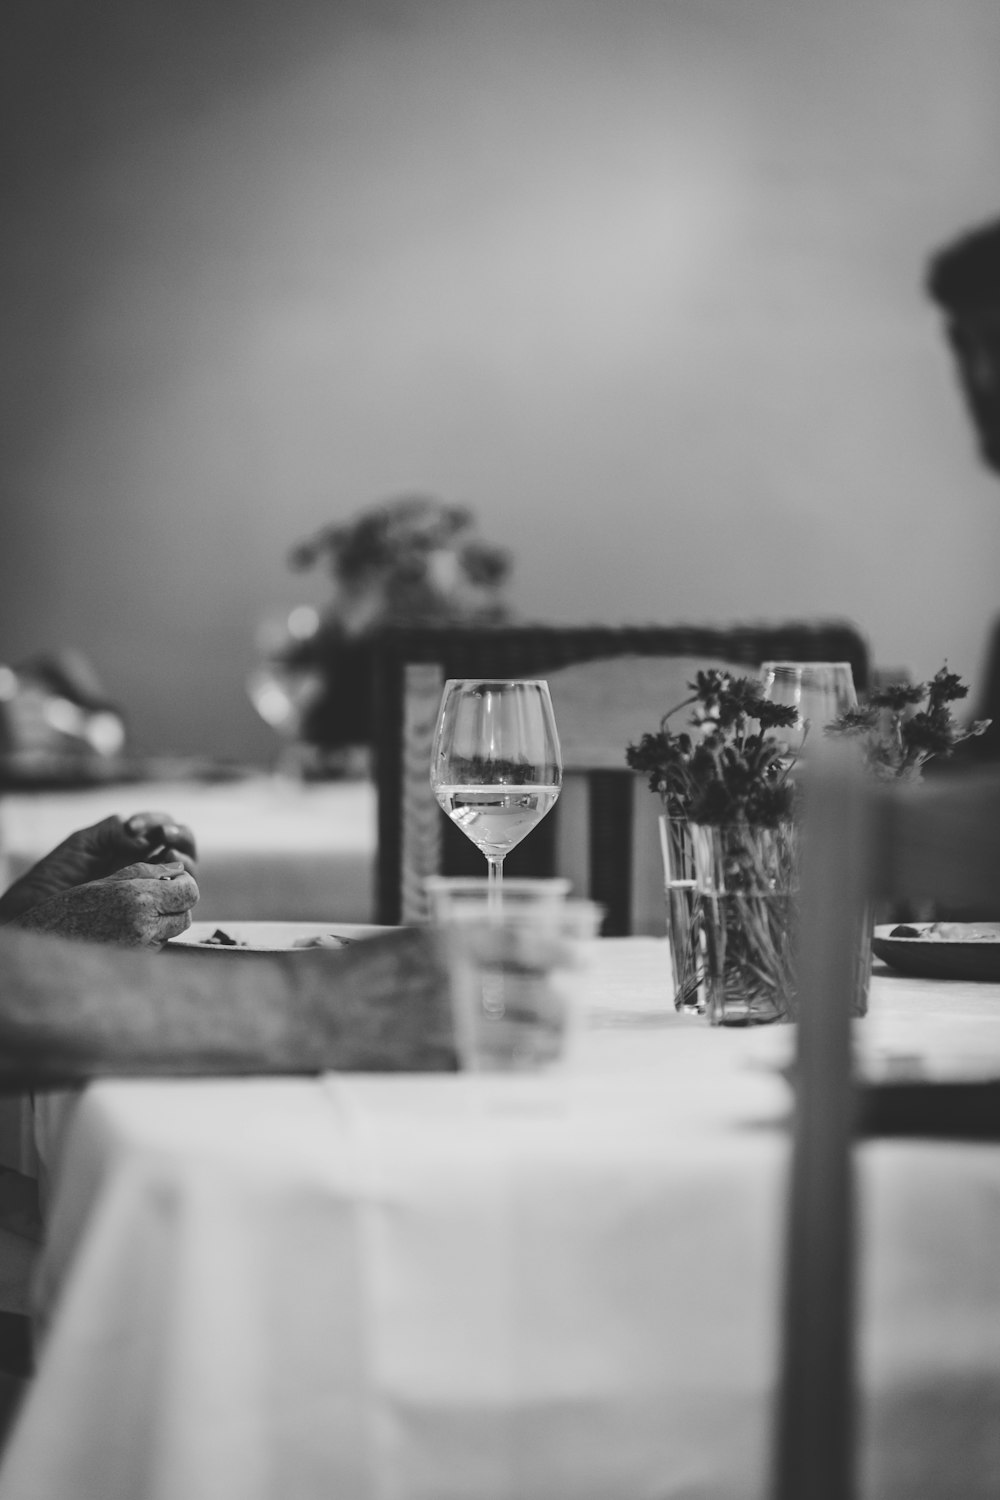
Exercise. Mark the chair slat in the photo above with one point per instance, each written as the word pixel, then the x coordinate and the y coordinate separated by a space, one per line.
pixel 648 918
pixel 421 818
pixel 572 834
pixel 815 1419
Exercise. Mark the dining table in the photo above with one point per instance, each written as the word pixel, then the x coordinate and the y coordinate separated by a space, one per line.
pixel 561 1284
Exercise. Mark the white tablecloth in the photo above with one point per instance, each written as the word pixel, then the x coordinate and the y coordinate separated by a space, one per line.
pixel 560 1287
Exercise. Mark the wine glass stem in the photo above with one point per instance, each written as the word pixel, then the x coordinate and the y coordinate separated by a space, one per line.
pixel 494 866
pixel 493 983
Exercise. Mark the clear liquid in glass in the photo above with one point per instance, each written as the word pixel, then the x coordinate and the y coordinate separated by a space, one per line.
pixel 496 818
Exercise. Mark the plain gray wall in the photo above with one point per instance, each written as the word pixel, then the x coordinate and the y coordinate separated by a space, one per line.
pixel 640 282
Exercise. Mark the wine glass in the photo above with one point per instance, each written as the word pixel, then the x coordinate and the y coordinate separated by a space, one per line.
pixel 819 691
pixel 496 768
pixel 281 691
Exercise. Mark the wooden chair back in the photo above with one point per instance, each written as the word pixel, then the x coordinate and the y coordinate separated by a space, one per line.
pixel 409 669
pixel 862 841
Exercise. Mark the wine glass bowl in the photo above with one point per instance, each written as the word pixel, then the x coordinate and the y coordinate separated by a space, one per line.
pixel 819 691
pixel 496 768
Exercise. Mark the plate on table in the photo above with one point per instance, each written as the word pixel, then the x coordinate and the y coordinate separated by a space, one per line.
pixel 271 937
pixel 941 950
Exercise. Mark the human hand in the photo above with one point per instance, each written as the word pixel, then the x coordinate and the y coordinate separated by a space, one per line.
pixel 140 906
pixel 166 841
pixel 98 851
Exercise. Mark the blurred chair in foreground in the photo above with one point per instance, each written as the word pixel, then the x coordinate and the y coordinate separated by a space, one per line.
pixel 863 840
pixel 603 830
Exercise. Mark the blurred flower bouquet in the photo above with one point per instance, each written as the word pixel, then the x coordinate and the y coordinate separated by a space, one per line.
pixel 411 561
pixel 729 843
pixel 900 728
pixel 727 766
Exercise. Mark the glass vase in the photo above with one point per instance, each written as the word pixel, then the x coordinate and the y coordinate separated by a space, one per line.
pixel 746 879
pixel 684 922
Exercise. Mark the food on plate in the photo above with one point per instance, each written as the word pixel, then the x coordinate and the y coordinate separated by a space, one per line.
pixel 949 932
pixel 322 940
pixel 220 938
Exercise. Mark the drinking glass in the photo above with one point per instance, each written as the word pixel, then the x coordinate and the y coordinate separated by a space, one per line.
pixel 518 975
pixel 819 691
pixel 281 692
pixel 496 769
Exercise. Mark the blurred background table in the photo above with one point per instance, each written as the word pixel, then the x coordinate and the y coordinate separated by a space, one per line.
pixel 268 847
pixel 510 1287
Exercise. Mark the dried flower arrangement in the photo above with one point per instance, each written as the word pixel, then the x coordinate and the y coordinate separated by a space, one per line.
pixel 727 787
pixel 413 560
pixel 901 727
pixel 410 561
pixel 729 847
pixel 728 766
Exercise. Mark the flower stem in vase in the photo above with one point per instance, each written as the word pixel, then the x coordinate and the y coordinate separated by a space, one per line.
pixel 747 876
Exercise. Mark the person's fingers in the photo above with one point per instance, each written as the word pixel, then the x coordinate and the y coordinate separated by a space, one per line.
pixel 99 850
pixel 141 823
pixel 177 895
pixel 159 830
pixel 97 839
pixel 169 856
pixel 172 924
pixel 142 909
pixel 104 830
pixel 147 870
pixel 160 888
pixel 89 854
pixel 157 909
pixel 179 836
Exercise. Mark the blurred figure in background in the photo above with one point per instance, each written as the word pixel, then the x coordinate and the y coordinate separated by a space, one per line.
pixel 964 280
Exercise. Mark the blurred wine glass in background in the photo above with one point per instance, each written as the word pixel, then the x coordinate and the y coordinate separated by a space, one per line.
pixel 819 691
pixel 280 691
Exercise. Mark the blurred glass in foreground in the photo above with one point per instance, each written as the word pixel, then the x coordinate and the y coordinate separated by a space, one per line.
pixel 514 967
